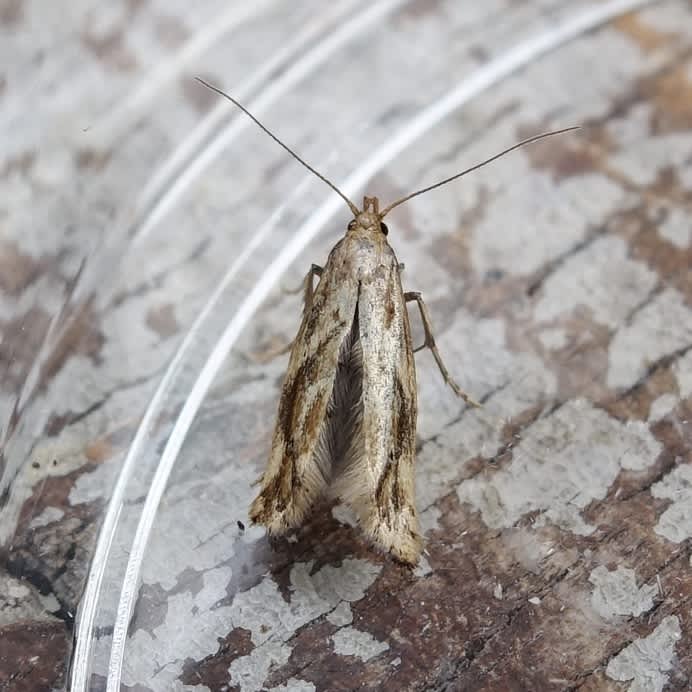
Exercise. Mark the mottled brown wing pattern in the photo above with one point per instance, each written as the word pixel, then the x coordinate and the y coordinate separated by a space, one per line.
pixel 295 475
pixel 379 483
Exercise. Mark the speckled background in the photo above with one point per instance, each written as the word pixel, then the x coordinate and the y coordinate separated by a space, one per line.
pixel 146 234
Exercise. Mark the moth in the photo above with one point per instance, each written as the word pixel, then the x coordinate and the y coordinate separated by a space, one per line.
pixel 347 412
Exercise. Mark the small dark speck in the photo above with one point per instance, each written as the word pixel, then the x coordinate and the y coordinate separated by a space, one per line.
pixel 55 462
pixel 494 275
pixel 36 465
pixel 241 526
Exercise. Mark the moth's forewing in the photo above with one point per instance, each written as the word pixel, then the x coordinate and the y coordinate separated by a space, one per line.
pixel 379 483
pixel 295 475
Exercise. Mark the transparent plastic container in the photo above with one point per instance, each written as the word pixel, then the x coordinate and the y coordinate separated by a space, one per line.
pixel 183 227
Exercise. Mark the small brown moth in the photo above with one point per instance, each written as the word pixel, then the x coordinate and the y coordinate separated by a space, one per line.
pixel 347 413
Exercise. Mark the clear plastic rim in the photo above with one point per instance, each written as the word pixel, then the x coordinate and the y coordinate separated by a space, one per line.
pixel 489 75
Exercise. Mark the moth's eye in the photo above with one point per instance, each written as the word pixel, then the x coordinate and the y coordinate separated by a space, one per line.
pixel 351 224
pixel 384 228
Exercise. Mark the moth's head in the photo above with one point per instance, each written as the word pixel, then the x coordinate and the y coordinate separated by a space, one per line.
pixel 369 219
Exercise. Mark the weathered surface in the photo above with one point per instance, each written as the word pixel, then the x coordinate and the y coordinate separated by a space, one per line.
pixel 558 519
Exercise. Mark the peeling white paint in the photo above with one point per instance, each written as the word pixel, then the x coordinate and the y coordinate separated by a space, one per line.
pixel 294 685
pixel 271 620
pixel 601 278
pixel 476 346
pixel 19 601
pixel 262 610
pixel 480 359
pixel 562 463
pixel 676 521
pixel 662 406
pixel 89 485
pixel 265 613
pixel 553 338
pixel 677 228
pixel 646 661
pixel 341 615
pixel 352 642
pixel 616 594
pixel 66 449
pixel 633 125
pixel 48 516
pixel 423 568
pixel 178 686
pixel 682 369
pixel 671 21
pixel 430 519
pixel 349 582
pixel 442 461
pixel 250 672
pixel 201 538
pixel 657 330
pixel 644 159
pixel 522 248
pixel 162 652
pixel 476 352
pixel 685 176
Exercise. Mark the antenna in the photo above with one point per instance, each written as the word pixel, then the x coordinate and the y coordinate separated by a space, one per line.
pixel 386 210
pixel 352 206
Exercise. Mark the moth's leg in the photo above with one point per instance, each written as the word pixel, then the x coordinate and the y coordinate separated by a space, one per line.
pixel 307 287
pixel 308 292
pixel 271 353
pixel 430 343
pixel 315 270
